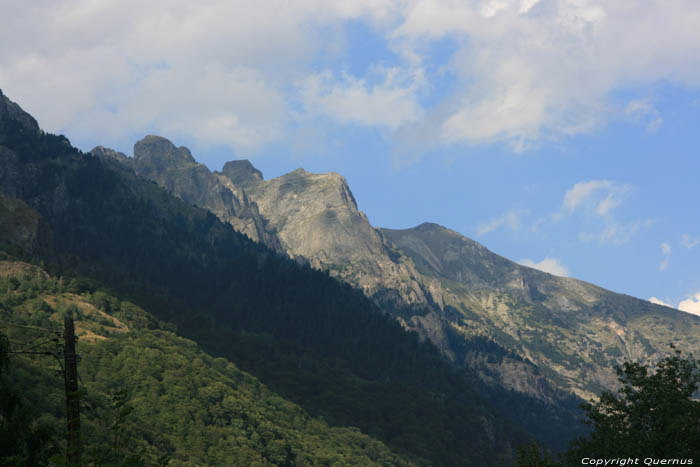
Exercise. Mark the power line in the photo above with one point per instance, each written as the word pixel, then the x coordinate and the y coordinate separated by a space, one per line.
pixel 35 328
pixel 44 342
pixel 24 352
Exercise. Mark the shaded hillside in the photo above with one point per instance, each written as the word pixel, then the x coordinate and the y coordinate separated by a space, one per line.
pixel 151 397
pixel 357 367
pixel 22 230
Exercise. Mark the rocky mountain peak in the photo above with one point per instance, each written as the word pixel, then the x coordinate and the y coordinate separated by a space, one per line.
pixel 315 217
pixel 241 172
pixel 429 226
pixel 11 111
pixel 161 154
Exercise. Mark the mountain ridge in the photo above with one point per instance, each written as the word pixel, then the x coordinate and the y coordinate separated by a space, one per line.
pixel 453 290
pixel 585 324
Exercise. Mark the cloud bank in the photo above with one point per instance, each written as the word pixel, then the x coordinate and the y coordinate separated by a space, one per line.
pixel 244 74
pixel 598 200
pixel 689 305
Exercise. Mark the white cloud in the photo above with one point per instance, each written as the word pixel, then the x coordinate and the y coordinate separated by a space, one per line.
pixel 689 241
pixel 666 251
pixel 658 301
pixel 691 304
pixel 391 102
pixel 550 265
pixel 548 69
pixel 599 199
pixel 642 111
pixel 218 73
pixel 600 196
pixel 523 70
pixel 614 232
pixel 511 219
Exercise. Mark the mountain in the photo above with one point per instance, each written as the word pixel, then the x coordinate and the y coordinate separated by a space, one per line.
pixel 575 332
pixel 518 327
pixel 313 340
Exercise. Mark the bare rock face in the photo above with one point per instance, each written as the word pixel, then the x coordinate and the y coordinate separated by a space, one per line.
pixel 176 170
pixel 241 173
pixel 573 331
pixel 316 219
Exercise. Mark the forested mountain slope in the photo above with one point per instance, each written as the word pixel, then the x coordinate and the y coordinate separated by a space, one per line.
pixel 308 337
pixel 149 396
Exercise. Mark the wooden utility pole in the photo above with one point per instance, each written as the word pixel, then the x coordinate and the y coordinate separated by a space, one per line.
pixel 72 394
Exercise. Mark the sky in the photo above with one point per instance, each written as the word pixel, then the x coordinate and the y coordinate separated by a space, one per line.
pixel 562 134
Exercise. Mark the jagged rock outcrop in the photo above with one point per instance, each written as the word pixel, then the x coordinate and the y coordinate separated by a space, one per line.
pixel 175 169
pixel 316 219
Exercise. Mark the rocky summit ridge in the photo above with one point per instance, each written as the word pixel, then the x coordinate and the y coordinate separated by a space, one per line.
pixel 313 218
pixel 518 327
pixel 176 170
pixel 316 219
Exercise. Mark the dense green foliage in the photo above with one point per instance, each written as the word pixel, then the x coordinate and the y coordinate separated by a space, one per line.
pixel 653 414
pixel 149 397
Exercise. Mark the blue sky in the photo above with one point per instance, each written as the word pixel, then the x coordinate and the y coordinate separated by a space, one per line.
pixel 559 133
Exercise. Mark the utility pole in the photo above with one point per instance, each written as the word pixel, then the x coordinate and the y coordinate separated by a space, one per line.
pixel 72 395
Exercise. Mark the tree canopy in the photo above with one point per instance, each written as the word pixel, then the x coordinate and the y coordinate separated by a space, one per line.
pixel 655 413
